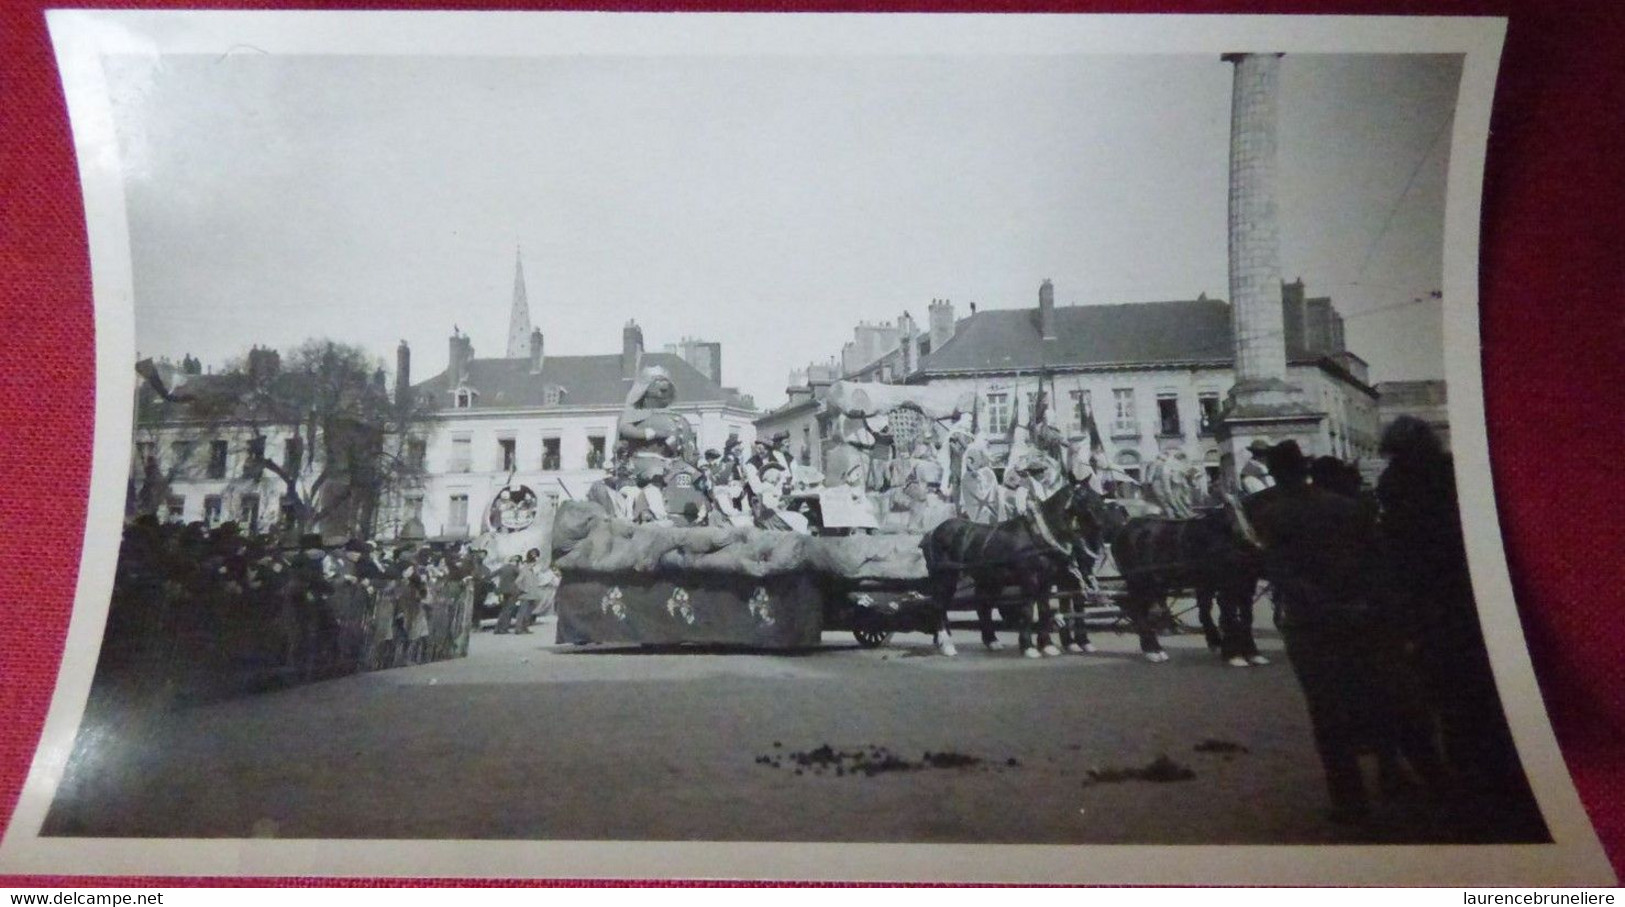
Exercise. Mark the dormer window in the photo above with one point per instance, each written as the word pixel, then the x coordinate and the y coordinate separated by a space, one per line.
pixel 462 398
pixel 553 396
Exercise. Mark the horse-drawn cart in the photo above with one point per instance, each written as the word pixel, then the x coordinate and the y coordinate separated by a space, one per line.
pixel 753 588
pixel 745 587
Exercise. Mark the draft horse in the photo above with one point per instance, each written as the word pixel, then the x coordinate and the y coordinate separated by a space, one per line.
pixel 1033 552
pixel 1211 555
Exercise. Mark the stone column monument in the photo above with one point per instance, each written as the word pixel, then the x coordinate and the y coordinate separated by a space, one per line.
pixel 1263 404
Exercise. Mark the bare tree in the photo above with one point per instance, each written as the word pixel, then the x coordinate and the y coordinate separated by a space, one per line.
pixel 346 442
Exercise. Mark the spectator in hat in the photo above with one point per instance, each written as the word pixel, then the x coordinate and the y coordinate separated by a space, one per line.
pixel 1255 476
pixel 769 466
pixel 507 585
pixel 530 588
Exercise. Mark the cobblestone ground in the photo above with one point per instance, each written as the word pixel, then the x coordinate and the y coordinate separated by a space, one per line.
pixel 528 740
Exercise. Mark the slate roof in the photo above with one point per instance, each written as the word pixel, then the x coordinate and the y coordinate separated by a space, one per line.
pixel 1138 334
pixel 586 380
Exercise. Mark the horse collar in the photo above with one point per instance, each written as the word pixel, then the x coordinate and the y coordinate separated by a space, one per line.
pixel 1041 526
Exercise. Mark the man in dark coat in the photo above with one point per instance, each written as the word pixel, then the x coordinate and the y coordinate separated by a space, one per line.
pixel 1429 583
pixel 507 583
pixel 1319 548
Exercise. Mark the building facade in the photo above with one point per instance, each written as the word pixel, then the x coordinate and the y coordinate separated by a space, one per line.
pixel 547 422
pixel 225 447
pixel 1426 400
pixel 479 425
pixel 801 417
pixel 1154 375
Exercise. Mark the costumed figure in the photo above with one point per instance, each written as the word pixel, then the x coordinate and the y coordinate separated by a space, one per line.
pixel 650 504
pixel 1201 492
pixel 1081 466
pixel 1013 493
pixel 848 462
pixel 959 440
pixel 978 486
pixel 1155 483
pixel 1040 464
pixel 921 494
pixel 724 482
pixel 606 494
pixel 768 468
pixel 772 513
pixel 927 468
pixel 1176 485
pixel 657 440
pixel 844 500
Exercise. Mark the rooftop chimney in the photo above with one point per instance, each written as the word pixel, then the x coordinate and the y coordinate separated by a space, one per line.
pixel 941 323
pixel 631 350
pixel 1046 310
pixel 263 364
pixel 909 341
pixel 403 375
pixel 536 351
pixel 462 350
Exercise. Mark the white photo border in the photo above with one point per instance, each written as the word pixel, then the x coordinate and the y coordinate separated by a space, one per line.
pixel 83 37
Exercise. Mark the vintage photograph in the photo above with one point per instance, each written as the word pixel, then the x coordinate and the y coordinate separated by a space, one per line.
pixel 907 441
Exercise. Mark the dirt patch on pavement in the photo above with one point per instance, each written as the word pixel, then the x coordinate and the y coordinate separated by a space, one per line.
pixel 871 760
pixel 1161 770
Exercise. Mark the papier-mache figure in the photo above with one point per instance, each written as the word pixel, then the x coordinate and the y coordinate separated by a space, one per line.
pixel 658 442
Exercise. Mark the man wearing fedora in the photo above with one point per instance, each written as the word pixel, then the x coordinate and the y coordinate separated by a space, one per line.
pixel 1255 476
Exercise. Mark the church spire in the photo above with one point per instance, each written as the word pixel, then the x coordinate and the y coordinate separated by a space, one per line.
pixel 519 318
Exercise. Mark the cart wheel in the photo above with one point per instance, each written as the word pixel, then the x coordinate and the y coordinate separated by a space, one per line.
pixel 872 639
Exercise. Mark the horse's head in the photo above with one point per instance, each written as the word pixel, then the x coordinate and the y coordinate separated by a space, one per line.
pixel 1089 517
pixel 1241 526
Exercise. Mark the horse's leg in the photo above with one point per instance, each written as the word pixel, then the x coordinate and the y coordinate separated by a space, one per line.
pixel 984 620
pixel 1027 617
pixel 1069 623
pixel 1204 613
pixel 1044 615
pixel 1062 619
pixel 943 592
pixel 1075 626
pixel 1139 606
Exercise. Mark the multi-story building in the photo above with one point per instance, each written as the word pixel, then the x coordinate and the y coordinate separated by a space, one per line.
pixel 226 446
pixel 544 421
pixel 1154 375
pixel 481 424
pixel 801 416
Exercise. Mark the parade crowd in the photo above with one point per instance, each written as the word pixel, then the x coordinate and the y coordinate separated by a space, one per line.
pixel 199 613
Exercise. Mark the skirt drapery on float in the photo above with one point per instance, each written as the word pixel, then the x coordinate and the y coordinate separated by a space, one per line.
pixel 756 588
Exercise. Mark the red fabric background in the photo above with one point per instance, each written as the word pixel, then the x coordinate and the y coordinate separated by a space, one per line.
pixel 1553 335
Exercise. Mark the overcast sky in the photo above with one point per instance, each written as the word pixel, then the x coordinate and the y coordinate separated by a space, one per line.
pixel 768 203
